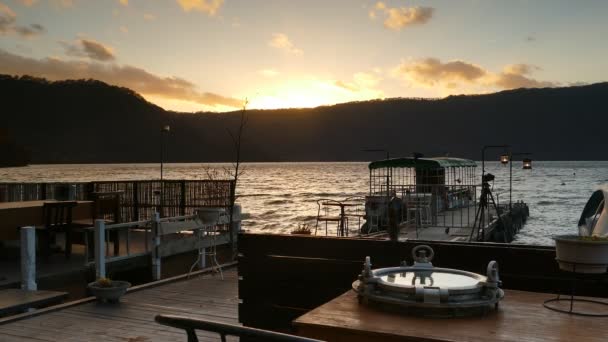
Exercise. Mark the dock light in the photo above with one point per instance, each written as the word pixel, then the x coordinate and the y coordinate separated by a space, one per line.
pixel 527 164
pixel 504 159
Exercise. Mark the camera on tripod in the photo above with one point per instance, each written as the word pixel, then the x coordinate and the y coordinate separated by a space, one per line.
pixel 488 177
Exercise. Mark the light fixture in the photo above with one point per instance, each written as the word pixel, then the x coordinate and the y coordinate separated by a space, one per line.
pixel 527 164
pixel 504 159
pixel 166 128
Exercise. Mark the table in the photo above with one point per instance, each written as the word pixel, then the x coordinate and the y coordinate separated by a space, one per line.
pixel 521 317
pixel 342 231
pixel 29 213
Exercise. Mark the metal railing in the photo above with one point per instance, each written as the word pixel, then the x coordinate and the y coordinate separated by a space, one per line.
pixel 186 231
pixel 190 325
pixel 426 205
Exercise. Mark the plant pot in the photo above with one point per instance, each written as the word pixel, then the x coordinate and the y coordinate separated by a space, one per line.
pixel 110 294
pixel 574 254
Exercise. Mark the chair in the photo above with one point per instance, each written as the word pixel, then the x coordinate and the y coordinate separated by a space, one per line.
pixel 190 325
pixel 421 208
pixel 57 218
pixel 326 216
pixel 106 206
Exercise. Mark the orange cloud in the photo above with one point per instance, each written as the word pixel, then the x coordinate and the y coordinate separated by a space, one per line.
pixel 140 80
pixel 429 71
pixel 451 76
pixel 124 2
pixel 281 41
pixel 209 7
pixel 89 48
pixel 397 18
pixel 517 76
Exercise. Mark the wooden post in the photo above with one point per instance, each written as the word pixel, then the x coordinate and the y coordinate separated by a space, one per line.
pixel 100 249
pixel 28 259
pixel 156 270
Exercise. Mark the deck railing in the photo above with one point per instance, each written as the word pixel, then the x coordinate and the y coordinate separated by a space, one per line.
pixel 139 199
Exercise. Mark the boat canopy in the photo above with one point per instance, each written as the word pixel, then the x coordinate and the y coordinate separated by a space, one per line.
pixel 422 163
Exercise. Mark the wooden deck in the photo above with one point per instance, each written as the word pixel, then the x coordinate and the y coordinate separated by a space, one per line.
pixel 203 296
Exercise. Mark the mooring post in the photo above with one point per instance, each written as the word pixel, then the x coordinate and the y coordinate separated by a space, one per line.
pixel 28 259
pixel 100 249
pixel 156 270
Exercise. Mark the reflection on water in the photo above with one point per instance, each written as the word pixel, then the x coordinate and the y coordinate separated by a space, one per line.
pixel 426 278
pixel 279 196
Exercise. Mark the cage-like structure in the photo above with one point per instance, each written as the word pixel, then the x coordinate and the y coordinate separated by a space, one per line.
pixel 424 188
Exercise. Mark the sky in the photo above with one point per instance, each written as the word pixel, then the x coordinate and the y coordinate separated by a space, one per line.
pixel 220 55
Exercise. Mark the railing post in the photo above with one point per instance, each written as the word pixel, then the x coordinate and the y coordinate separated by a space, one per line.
pixel 156 269
pixel 100 249
pixel 28 259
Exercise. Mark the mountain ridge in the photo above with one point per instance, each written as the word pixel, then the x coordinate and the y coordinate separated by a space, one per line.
pixel 88 121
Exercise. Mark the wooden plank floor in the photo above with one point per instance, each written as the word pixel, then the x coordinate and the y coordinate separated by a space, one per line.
pixel 132 320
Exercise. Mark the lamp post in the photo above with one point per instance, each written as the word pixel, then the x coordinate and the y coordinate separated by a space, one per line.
pixel 511 171
pixel 163 131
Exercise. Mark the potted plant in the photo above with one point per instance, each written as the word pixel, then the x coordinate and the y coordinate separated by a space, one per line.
pixel 303 229
pixel 586 252
pixel 107 290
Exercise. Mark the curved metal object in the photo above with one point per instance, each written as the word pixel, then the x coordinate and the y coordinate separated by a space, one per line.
pixel 427 290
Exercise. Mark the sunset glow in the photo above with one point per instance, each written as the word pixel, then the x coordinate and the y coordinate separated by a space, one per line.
pixel 211 55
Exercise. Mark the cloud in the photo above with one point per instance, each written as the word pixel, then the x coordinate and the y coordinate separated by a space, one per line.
pixel 89 48
pixel 149 16
pixel 268 73
pixel 397 18
pixel 453 76
pixel 30 31
pixel 281 41
pixel 517 76
pixel 124 29
pixel 135 78
pixel 8 20
pixel 430 71
pixel 124 2
pixel 209 7
pixel 362 86
pixel 28 3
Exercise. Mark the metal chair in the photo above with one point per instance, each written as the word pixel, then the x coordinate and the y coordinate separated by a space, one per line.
pixel 190 325
pixel 326 216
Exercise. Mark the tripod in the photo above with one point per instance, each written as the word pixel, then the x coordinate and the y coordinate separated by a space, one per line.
pixel 486 194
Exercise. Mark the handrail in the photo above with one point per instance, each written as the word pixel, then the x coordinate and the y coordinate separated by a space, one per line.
pixel 225 329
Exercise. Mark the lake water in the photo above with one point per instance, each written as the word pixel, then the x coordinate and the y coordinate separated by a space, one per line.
pixel 279 196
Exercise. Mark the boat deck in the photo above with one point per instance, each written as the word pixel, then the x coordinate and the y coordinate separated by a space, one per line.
pixel 449 225
pixel 204 296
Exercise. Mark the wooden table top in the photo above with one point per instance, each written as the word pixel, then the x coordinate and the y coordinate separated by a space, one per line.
pixel 521 317
pixel 30 204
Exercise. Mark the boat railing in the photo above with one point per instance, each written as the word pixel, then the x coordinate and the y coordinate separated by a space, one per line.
pixel 424 205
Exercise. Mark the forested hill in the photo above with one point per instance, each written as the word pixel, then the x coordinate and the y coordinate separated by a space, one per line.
pixel 87 121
